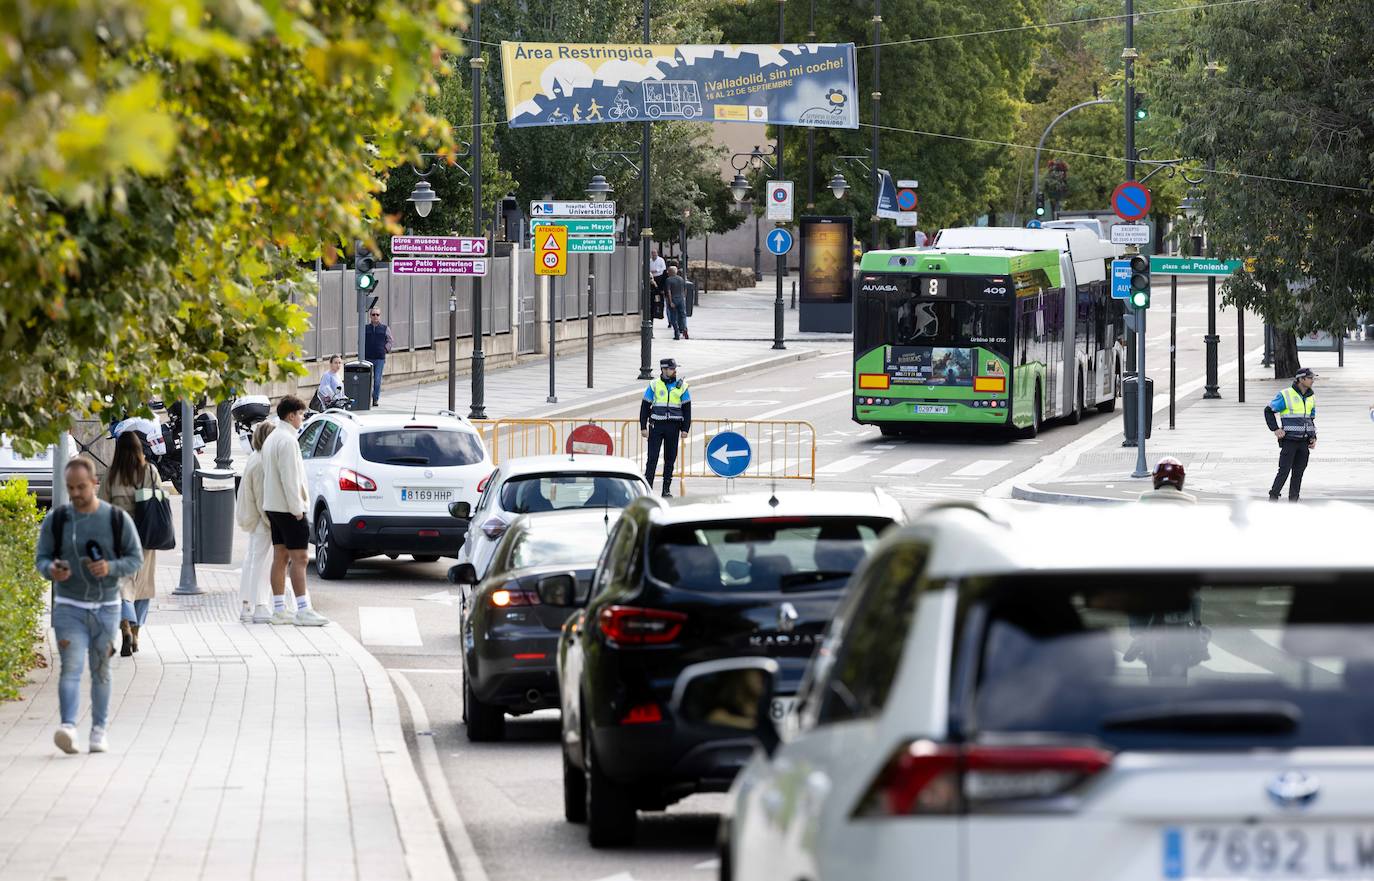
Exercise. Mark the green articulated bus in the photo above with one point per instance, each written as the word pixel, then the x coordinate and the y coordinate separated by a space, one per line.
pixel 990 326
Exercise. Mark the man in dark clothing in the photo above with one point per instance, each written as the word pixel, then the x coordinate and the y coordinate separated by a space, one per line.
pixel 676 287
pixel 667 407
pixel 378 345
pixel 1292 416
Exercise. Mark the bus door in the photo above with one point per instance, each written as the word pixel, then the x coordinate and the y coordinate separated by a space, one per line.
pixel 1068 388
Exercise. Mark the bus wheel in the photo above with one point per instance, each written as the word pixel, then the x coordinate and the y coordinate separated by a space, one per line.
pixel 889 430
pixel 1075 415
pixel 1033 429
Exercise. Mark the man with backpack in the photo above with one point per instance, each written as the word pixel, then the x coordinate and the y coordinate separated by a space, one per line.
pixel 85 548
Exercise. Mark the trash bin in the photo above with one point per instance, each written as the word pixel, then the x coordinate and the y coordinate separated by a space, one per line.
pixel 691 298
pixel 1128 392
pixel 213 516
pixel 358 384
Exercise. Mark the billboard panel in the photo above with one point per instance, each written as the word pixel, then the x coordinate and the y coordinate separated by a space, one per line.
pixel 827 260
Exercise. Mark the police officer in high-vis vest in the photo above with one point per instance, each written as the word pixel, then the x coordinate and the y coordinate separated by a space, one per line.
pixel 1292 417
pixel 665 415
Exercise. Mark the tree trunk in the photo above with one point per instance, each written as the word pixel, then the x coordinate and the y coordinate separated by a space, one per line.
pixel 1285 354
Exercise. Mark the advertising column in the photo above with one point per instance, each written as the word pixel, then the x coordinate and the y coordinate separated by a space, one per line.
pixel 827 275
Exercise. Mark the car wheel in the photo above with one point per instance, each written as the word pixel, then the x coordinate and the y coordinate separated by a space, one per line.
pixel 486 723
pixel 331 561
pixel 611 814
pixel 425 558
pixel 574 792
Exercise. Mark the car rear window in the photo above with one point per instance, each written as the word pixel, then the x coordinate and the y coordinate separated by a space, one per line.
pixel 534 493
pixel 768 554
pixel 564 545
pixel 421 447
pixel 1175 663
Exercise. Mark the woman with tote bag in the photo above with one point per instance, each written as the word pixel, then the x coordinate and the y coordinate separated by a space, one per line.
pixel 132 484
pixel 254 589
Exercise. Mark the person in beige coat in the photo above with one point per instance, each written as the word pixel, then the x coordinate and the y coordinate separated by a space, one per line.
pixel 285 501
pixel 254 590
pixel 129 473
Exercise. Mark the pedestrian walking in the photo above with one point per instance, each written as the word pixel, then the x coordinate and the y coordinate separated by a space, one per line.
pixel 285 500
pixel 1169 476
pixel 255 592
pixel 665 416
pixel 130 478
pixel 676 287
pixel 657 268
pixel 331 392
pixel 378 343
pixel 86 548
pixel 1292 417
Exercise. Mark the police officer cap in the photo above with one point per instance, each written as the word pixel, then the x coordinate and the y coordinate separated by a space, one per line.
pixel 667 363
pixel 1306 373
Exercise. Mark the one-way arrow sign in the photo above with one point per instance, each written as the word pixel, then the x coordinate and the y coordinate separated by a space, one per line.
pixel 728 454
pixel 779 241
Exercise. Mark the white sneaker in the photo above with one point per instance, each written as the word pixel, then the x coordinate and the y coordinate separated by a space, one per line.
pixel 308 617
pixel 99 741
pixel 262 615
pixel 245 614
pixel 65 738
pixel 282 617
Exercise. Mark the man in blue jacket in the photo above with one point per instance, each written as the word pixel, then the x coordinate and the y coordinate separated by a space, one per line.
pixel 378 342
pixel 85 548
pixel 1292 417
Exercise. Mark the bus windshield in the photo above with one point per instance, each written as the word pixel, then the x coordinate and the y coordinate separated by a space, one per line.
pixel 940 312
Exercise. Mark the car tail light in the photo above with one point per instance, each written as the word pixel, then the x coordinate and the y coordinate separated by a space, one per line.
pixel 512 596
pixel 429 533
pixel 482 484
pixel 626 625
pixel 494 527
pixel 352 481
pixel 875 380
pixel 925 778
pixel 643 714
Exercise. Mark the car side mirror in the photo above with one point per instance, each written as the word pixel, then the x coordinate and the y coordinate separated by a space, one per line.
pixel 461 510
pixel 733 693
pixel 558 590
pixel 463 573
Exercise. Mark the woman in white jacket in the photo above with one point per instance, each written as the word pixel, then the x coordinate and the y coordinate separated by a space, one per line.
pixel 255 591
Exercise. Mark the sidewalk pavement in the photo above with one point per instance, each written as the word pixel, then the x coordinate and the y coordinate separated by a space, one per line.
pixel 237 751
pixel 1225 445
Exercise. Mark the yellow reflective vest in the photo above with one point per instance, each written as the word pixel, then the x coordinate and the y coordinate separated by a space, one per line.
pixel 1296 417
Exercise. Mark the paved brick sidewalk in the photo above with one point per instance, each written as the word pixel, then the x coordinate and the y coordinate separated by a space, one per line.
pixel 237 752
pixel 1226 447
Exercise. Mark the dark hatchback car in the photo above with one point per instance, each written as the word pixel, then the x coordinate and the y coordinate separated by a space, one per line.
pixel 509 636
pixel 681 583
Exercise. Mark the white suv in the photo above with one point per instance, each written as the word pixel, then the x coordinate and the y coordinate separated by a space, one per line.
pixel 37 470
pixel 1128 694
pixel 381 483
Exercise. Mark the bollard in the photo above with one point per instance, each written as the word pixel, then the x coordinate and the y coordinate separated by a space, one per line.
pixel 794 295
pixel 188 584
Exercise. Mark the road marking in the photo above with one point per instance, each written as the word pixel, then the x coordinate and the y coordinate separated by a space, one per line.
pixel 426 671
pixel 913 466
pixel 442 597
pixel 849 463
pixel 469 863
pixel 708 865
pixel 803 405
pixel 388 625
pixel 981 468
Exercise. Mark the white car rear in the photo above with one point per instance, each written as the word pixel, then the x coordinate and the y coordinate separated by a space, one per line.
pixel 1084 695
pixel 35 469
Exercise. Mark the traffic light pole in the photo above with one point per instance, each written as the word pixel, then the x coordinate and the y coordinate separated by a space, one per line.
pixel 1128 56
pixel 362 302
pixel 1141 409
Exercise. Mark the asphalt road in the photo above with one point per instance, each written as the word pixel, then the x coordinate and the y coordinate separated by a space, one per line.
pixel 507 797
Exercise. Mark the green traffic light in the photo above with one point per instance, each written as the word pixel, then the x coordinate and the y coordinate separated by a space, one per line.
pixel 1140 299
pixel 1040 211
pixel 365 282
pixel 1141 113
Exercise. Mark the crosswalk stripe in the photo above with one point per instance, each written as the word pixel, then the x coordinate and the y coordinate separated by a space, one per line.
pixel 388 625
pixel 981 468
pixel 849 463
pixel 912 466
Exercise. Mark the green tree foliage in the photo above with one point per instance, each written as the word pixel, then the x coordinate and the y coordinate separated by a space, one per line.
pixel 1290 123
pixel 165 165
pixel 22 589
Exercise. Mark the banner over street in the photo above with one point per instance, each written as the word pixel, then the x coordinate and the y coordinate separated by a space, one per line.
pixel 811 85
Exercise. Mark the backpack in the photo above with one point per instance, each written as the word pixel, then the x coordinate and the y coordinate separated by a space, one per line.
pixel 59 523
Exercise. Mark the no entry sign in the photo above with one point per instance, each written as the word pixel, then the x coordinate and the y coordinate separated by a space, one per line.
pixel 591 439
pixel 1131 200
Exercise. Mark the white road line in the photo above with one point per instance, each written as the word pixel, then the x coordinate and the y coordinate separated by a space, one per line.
pixel 803 405
pixel 469 863
pixel 913 466
pixel 849 463
pixel 981 468
pixel 426 671
pixel 388 625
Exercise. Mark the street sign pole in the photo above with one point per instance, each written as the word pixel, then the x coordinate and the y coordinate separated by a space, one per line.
pixel 1173 345
pixel 188 585
pixel 1141 410
pixel 553 301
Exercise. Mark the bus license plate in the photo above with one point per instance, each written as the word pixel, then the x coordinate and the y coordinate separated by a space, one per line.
pixel 412 494
pixel 931 410
pixel 1269 851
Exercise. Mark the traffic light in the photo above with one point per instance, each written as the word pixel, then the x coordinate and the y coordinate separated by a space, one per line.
pixel 363 264
pixel 1142 112
pixel 1039 204
pixel 1140 282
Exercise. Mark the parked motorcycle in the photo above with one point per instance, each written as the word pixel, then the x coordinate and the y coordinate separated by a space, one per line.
pixel 162 439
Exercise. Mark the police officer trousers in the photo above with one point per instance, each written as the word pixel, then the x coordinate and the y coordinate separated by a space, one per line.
pixel 664 434
pixel 1293 455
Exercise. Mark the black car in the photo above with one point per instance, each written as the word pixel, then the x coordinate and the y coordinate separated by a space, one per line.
pixel 509 636
pixel 681 583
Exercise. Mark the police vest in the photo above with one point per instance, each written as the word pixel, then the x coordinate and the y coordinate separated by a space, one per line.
pixel 1296 419
pixel 667 400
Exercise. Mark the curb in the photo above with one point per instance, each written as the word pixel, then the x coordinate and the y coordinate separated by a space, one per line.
pixel 1027 493
pixel 633 395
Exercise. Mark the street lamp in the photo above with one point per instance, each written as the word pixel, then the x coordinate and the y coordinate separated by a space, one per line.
pixel 839 186
pixel 739 187
pixel 423 197
pixel 598 189
pixel 757 159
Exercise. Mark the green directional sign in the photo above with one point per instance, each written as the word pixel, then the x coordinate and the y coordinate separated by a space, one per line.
pixel 591 245
pixel 1193 266
pixel 578 227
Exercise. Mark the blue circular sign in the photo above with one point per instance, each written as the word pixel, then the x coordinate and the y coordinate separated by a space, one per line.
pixel 1131 201
pixel 906 199
pixel 779 241
pixel 1032 224
pixel 728 454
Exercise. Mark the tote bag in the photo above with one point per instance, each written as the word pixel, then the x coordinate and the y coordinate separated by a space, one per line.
pixel 153 517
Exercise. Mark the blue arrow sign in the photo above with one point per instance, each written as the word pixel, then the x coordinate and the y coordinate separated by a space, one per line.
pixel 728 453
pixel 1032 224
pixel 1121 279
pixel 779 241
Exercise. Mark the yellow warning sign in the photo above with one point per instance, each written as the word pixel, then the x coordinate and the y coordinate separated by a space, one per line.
pixel 551 250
